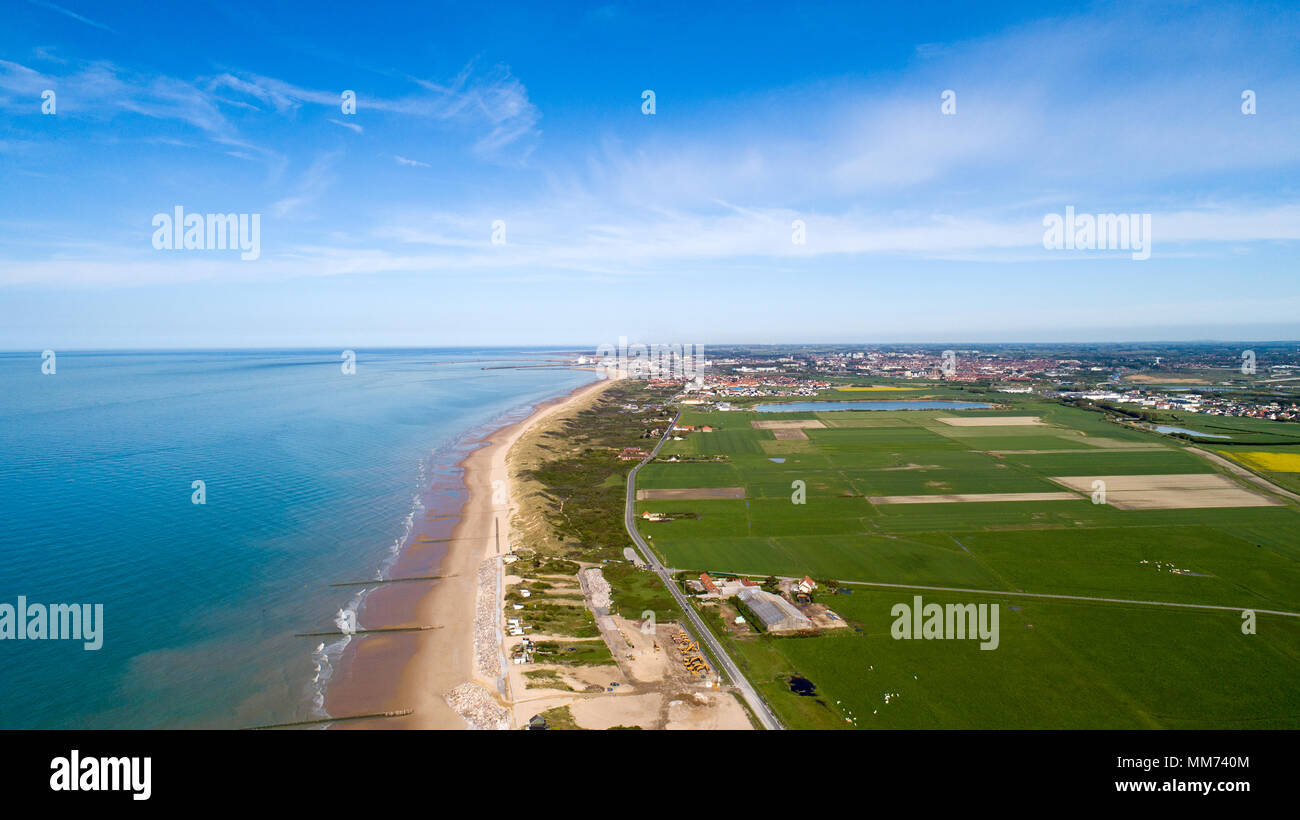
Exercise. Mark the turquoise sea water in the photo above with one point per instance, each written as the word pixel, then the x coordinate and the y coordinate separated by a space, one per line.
pixel 311 477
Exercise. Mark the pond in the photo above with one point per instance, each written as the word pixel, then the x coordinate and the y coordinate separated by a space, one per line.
pixel 802 686
pixel 1165 428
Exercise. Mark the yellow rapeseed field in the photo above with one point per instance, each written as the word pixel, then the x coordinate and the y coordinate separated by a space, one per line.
pixel 1270 462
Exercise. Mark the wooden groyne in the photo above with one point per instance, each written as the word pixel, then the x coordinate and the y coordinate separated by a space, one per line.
pixel 322 721
pixel 377 581
pixel 336 633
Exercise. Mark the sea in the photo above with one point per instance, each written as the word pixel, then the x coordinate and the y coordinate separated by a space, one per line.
pixel 209 500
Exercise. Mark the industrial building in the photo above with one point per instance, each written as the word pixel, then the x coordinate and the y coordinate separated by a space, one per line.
pixel 776 613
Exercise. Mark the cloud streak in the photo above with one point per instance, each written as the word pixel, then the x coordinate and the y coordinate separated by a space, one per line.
pixel 66 13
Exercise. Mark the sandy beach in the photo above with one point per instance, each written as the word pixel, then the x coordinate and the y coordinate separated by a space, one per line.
pixel 416 670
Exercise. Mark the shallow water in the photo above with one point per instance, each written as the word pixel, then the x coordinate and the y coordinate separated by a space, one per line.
pixel 1165 428
pixel 312 477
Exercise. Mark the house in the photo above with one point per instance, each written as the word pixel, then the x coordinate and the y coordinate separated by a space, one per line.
pixel 709 586
pixel 706 429
pixel 806 585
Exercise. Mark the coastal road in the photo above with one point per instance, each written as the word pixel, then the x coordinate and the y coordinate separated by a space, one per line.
pixel 747 691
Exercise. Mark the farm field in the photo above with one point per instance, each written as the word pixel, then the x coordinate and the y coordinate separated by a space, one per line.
pixel 1062 663
pixel 1268 448
pixel 1058 665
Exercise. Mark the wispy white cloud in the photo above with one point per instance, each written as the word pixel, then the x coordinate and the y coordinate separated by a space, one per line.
pixel 872 168
pixel 494 103
pixel 103 89
pixel 543 244
pixel 351 126
pixel 68 13
pixel 310 186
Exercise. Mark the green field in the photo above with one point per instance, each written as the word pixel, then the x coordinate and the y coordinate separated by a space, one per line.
pixel 1060 663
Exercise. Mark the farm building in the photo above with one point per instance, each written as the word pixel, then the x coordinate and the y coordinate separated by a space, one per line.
pixel 776 613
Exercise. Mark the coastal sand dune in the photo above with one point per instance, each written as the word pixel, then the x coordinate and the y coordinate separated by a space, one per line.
pixel 443 659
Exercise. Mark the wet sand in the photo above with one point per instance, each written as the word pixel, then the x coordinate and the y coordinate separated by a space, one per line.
pixel 414 670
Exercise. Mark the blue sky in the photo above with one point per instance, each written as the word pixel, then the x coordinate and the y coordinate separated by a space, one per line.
pixel 376 226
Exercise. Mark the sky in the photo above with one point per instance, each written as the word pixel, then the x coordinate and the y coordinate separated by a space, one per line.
pixel 804 175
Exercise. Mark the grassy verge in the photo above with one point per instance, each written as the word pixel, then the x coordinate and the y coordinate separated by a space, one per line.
pixel 560 718
pixel 569 486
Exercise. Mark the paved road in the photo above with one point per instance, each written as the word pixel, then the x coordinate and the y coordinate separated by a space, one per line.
pixel 720 657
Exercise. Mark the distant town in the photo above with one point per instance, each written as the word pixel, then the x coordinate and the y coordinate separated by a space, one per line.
pixel 1219 379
